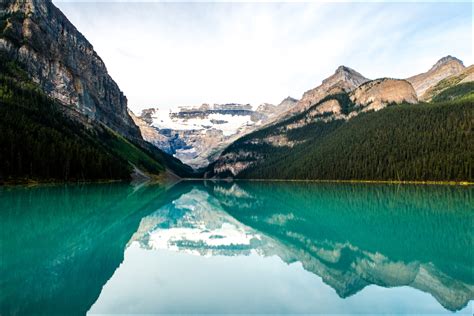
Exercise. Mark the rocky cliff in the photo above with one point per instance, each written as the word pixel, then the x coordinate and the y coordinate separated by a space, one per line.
pixel 344 79
pixel 270 113
pixel 377 94
pixel 58 85
pixel 59 58
pixel 445 67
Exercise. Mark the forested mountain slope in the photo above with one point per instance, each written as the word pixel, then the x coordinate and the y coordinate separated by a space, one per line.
pixel 462 78
pixel 40 142
pixel 62 117
pixel 422 142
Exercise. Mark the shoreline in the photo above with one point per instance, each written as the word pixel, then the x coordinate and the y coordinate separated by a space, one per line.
pixel 451 183
pixel 32 183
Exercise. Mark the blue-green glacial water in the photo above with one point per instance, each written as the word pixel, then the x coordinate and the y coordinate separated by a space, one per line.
pixel 236 247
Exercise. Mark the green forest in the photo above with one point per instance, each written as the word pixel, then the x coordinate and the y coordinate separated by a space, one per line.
pixel 421 142
pixel 463 90
pixel 39 142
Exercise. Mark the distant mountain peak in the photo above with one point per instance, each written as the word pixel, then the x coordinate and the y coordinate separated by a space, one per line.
pixel 346 70
pixel 343 69
pixel 443 68
pixel 345 73
pixel 348 77
pixel 289 99
pixel 344 79
pixel 445 60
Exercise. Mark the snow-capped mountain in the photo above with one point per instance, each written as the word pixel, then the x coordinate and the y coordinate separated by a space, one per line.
pixel 197 135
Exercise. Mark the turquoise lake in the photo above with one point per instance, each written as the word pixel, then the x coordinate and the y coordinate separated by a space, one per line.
pixel 236 247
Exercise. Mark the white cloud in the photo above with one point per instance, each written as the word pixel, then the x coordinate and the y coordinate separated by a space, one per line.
pixel 172 54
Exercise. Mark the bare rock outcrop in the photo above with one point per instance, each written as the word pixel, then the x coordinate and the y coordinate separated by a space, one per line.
pixel 445 67
pixel 344 79
pixel 271 112
pixel 377 94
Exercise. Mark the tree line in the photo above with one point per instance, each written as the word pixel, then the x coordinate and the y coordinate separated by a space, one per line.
pixel 421 142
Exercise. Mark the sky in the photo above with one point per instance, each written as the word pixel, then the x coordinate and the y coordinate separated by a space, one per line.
pixel 169 54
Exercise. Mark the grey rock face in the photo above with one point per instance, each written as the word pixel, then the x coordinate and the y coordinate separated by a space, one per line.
pixel 61 60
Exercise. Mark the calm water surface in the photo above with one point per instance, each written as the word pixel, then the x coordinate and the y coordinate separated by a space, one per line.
pixel 241 247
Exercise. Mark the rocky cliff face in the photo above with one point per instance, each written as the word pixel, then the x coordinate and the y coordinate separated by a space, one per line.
pixel 376 94
pixel 198 135
pixel 344 79
pixel 445 67
pixel 269 112
pixel 61 60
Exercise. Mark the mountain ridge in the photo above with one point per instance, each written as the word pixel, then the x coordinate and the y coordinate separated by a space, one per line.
pixel 290 137
pixel 344 79
pixel 58 59
pixel 443 68
pixel 410 142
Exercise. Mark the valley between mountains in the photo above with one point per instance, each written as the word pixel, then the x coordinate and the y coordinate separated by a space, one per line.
pixel 63 118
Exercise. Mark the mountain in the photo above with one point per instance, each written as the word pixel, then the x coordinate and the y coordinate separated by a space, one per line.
pixel 197 135
pixel 151 134
pixel 59 103
pixel 344 79
pixel 462 82
pixel 273 112
pixel 359 135
pixel 63 117
pixel 64 64
pixel 445 67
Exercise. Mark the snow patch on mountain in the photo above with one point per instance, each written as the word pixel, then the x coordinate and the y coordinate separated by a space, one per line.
pixel 197 135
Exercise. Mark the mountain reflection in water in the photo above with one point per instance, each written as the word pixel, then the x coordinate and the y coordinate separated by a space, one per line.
pixel 251 245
